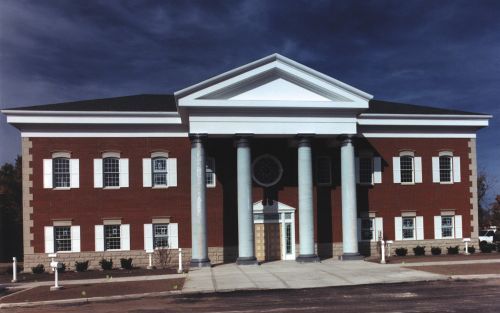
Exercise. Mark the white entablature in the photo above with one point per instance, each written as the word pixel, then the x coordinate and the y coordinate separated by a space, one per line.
pixel 273 95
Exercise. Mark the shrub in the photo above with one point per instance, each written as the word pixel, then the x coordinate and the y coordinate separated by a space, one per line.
pixel 453 250
pixel 81 266
pixel 39 269
pixel 401 251
pixel 471 249
pixel 436 251
pixel 486 247
pixel 62 269
pixel 419 250
pixel 105 264
pixel 126 263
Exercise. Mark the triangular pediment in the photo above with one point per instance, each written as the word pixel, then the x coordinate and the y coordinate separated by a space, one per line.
pixel 274 81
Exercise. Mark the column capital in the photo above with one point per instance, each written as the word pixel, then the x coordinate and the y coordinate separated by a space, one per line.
pixel 242 140
pixel 197 138
pixel 346 139
pixel 304 140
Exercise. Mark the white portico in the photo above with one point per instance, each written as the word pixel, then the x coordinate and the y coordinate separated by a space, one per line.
pixel 272 97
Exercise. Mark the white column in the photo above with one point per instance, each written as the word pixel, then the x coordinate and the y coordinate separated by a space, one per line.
pixel 349 207
pixel 199 245
pixel 306 213
pixel 246 250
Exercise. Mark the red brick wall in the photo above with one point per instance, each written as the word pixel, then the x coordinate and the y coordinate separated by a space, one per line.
pixel 136 205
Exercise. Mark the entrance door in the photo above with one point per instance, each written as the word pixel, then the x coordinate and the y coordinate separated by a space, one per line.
pixel 267 241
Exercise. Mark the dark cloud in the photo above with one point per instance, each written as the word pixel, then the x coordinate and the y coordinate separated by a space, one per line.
pixel 441 53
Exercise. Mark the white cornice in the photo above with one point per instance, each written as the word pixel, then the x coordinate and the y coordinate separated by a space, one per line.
pixel 453 116
pixel 90 113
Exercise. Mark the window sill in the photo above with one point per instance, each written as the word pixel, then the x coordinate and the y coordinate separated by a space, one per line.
pixel 446 183
pixel 210 186
pixel 61 188
pixel 114 250
pixel 160 187
pixel 407 184
pixel 65 252
pixel 111 188
pixel 366 184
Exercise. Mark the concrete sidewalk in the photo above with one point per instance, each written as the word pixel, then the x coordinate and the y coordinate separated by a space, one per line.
pixel 289 274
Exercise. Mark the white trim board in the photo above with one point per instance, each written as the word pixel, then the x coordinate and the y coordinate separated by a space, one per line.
pixel 419 135
pixel 63 134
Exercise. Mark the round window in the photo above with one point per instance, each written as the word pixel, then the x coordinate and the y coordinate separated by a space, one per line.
pixel 267 170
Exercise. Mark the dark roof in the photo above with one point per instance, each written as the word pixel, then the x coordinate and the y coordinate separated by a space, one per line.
pixel 386 107
pixel 136 103
pixel 166 103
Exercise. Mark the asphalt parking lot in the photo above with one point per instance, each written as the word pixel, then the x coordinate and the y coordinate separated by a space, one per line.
pixel 435 296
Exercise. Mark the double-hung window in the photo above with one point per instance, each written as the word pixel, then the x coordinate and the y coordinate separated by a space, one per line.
pixel 62 237
pixel 407 168
pixel 367 229
pixel 160 235
pixel 210 172
pixel 60 167
pixel 446 168
pixel 61 172
pixel 365 170
pixel 368 168
pixel 111 172
pixel 448 225
pixel 408 228
pixel 112 239
pixel 160 171
pixel 370 228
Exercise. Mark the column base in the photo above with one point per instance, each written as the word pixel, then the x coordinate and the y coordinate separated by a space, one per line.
pixel 351 257
pixel 247 261
pixel 200 263
pixel 307 258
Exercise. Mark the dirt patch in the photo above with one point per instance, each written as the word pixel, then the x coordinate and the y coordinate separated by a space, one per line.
pixel 43 293
pixel 460 269
pixel 437 258
pixel 29 277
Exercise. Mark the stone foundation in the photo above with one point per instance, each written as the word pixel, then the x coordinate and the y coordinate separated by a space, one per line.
pixel 428 244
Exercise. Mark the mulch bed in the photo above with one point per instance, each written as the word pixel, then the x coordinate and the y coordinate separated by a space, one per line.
pixel 6 277
pixel 43 293
pixel 460 269
pixel 437 258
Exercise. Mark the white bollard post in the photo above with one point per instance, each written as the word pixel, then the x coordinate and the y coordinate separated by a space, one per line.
pixel 14 269
pixel 150 256
pixel 180 262
pixel 55 267
pixel 466 241
pixel 389 242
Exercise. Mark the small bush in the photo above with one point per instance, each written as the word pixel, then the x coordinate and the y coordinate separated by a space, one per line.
pixel 401 251
pixel 81 266
pixel 62 269
pixel 126 263
pixel 105 264
pixel 471 249
pixel 419 250
pixel 486 247
pixel 436 251
pixel 453 250
pixel 39 269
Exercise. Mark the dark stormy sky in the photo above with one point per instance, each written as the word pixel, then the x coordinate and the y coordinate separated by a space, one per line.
pixel 439 53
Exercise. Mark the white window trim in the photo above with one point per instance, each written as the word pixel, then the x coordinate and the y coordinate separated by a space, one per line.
pixel 48 172
pixel 457 226
pixel 100 237
pixel 212 185
pixel 50 239
pixel 455 168
pixel 414 228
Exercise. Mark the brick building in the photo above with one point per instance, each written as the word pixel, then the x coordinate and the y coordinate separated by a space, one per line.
pixel 271 160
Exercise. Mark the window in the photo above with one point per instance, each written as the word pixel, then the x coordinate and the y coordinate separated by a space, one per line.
pixel 210 172
pixel 288 237
pixel 365 170
pixel 367 229
pixel 324 171
pixel 62 238
pixel 267 170
pixel 406 166
pixel 447 226
pixel 112 237
pixel 159 171
pixel 446 168
pixel 111 172
pixel 61 172
pixel 160 235
pixel 408 228
pixel 445 172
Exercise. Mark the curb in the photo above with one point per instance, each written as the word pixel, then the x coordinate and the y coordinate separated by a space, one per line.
pixel 89 300
pixel 477 276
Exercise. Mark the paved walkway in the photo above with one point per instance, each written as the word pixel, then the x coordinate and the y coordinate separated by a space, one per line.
pixel 292 275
